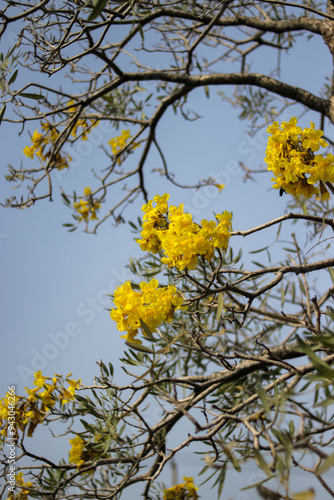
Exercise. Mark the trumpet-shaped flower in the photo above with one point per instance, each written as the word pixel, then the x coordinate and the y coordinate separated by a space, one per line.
pixel 39 147
pixel 291 157
pixel 88 208
pixel 75 454
pixel 23 488
pixel 183 491
pixel 180 239
pixel 152 304
pixel 119 143
pixel 33 409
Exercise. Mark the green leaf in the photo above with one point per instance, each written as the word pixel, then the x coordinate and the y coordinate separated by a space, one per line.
pixel 291 428
pixel 326 464
pixel 138 347
pixel 2 112
pixel 264 399
pixel 262 463
pixel 98 8
pixel 13 77
pixel 282 295
pixel 147 330
pixel 138 88
pixel 37 97
pixel 258 264
pixel 220 305
pixel 221 479
pixel 87 426
pixel 320 365
pixel 303 495
pixel 260 250
pixel 141 31
pixel 107 444
pixel 258 483
pixel 104 368
pixel 331 272
pixel 206 91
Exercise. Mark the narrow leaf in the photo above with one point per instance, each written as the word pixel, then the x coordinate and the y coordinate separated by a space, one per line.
pixel 264 399
pixel 320 365
pixel 262 463
pixel 138 347
pixel 303 495
pixel 98 8
pixel 326 464
pixel 146 330
pixel 220 305
pixel 13 77
pixel 37 97
pixel 2 112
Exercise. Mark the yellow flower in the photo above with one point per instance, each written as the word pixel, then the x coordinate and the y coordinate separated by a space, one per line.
pixel 154 221
pixel 87 209
pixel 153 305
pixel 75 454
pixel 219 186
pixel 119 143
pixel 23 491
pixel 74 384
pixel 29 151
pixel 290 156
pixel 184 491
pixel 180 239
pixel 48 400
pixel 32 393
pixel 40 143
pixel 67 395
pixel 39 380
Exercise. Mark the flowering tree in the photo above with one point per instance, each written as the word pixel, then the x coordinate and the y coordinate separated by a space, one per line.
pixel 123 65
pixel 242 354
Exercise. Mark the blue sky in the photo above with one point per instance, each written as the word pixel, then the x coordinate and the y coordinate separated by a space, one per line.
pixel 55 284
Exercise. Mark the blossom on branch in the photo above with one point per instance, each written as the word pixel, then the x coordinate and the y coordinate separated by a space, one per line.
pixel 180 239
pixel 22 487
pixel 88 208
pixel 184 491
pixel 118 144
pixel 75 454
pixel 152 304
pixel 291 157
pixel 39 147
pixel 33 409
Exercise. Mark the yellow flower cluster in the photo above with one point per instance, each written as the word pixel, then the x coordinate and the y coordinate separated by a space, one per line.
pixel 21 485
pixel 75 454
pixel 85 124
pixel 291 157
pixel 80 452
pixel 151 304
pixel 30 411
pixel 87 209
pixel 184 491
pixel 39 147
pixel 182 240
pixel 118 144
